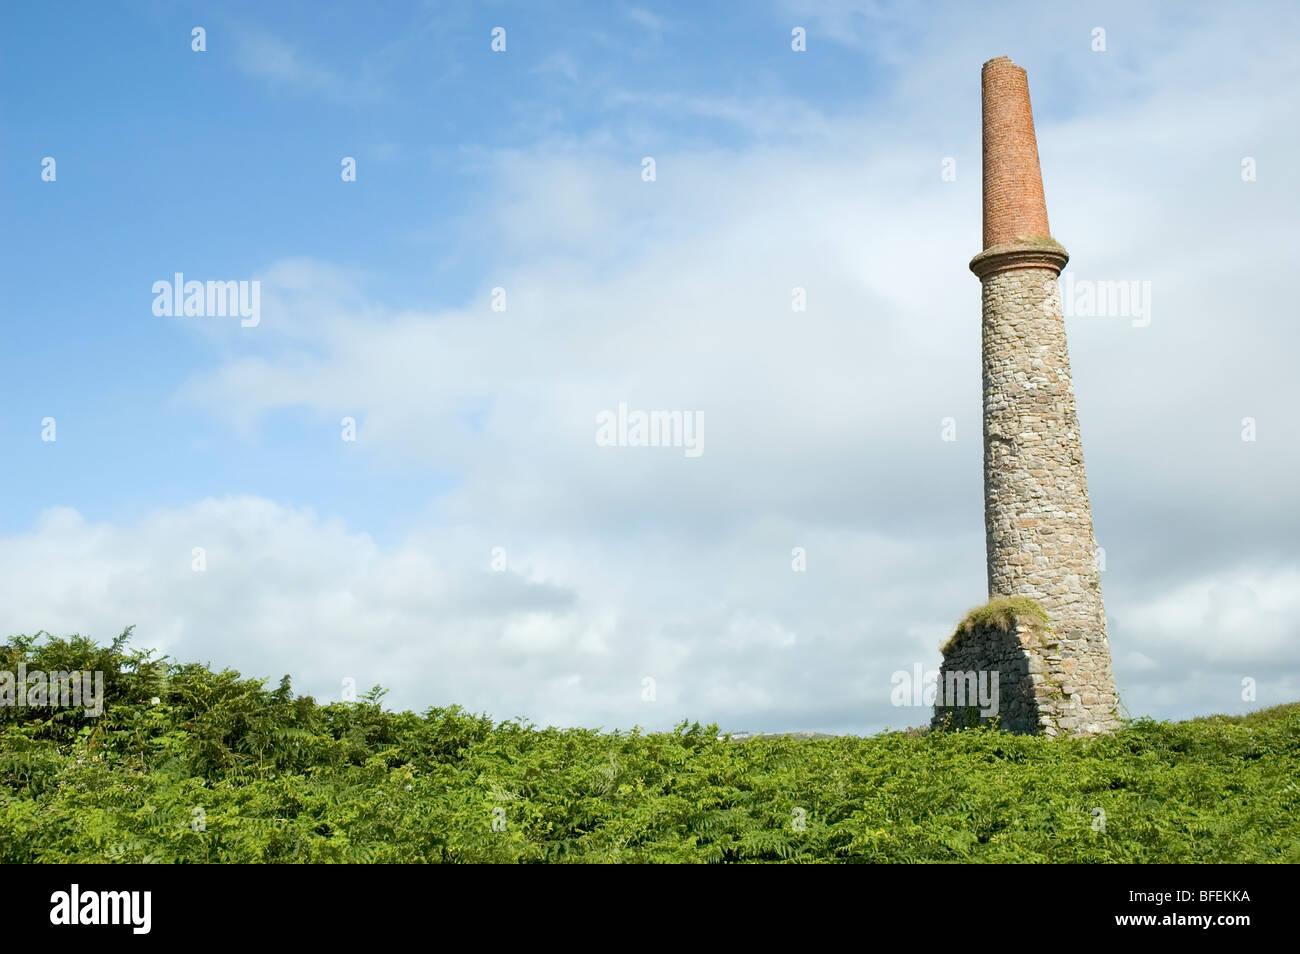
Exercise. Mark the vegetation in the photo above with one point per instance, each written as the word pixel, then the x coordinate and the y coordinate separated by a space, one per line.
pixel 1039 240
pixel 222 769
pixel 1001 612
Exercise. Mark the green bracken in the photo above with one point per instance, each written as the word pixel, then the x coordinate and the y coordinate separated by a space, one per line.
pixel 224 769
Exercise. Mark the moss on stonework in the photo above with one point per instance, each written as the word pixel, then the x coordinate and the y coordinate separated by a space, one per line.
pixel 1038 240
pixel 1001 612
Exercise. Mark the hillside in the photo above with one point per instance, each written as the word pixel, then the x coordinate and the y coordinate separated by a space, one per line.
pixel 222 769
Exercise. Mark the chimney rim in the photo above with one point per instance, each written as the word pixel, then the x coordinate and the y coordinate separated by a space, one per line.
pixel 998 60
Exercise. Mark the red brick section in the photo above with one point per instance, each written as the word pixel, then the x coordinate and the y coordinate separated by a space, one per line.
pixel 1014 208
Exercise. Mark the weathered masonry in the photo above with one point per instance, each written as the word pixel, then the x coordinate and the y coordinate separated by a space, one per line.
pixel 1054 673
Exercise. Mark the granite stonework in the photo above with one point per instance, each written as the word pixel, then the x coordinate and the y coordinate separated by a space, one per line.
pixel 1038 522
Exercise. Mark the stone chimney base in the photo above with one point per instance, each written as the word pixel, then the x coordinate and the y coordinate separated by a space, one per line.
pixel 1008 646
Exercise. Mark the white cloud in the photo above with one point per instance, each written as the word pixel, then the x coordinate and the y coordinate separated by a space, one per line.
pixel 561 64
pixel 260 55
pixel 676 294
pixel 645 19
pixel 562 636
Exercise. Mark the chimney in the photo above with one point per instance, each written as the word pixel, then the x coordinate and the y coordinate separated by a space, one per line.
pixel 1016 234
pixel 1039 539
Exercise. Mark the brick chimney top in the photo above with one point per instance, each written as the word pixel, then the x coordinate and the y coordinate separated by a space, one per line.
pixel 1014 207
pixel 1015 212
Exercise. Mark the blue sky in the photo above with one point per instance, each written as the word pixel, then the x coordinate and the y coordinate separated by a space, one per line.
pixel 522 170
pixel 215 163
